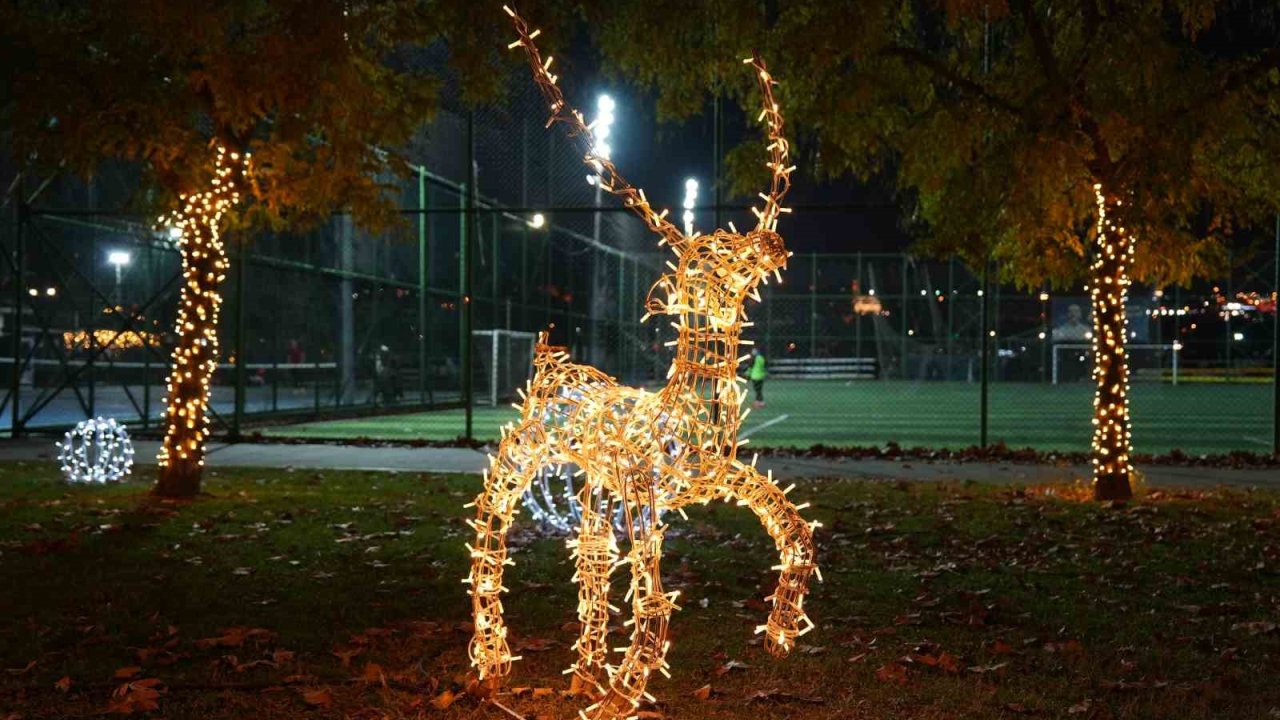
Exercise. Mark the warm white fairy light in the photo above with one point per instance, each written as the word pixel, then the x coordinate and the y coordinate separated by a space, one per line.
pixel 96 451
pixel 1108 290
pixel 644 452
pixel 196 227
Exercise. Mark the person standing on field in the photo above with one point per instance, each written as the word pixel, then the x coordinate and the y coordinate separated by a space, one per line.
pixel 756 375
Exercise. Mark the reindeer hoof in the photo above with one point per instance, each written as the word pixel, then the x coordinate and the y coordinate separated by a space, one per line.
pixel 779 647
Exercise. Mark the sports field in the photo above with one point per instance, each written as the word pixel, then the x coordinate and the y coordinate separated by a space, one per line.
pixel 1196 418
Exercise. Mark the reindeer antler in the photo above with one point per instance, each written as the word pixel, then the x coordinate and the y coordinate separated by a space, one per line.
pixel 778 150
pixel 562 112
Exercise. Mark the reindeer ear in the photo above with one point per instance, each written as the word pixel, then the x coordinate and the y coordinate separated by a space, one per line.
pixel 656 301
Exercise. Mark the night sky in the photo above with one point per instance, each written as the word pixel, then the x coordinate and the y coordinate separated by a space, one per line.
pixel 658 156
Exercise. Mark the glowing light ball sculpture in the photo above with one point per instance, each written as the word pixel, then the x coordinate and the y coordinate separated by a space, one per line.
pixel 644 451
pixel 197 228
pixel 1109 288
pixel 96 451
pixel 553 502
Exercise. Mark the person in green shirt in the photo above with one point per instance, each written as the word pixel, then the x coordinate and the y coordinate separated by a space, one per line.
pixel 757 374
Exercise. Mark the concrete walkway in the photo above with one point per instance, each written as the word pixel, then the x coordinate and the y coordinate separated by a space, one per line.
pixel 462 460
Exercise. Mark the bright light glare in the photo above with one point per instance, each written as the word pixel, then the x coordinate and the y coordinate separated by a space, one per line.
pixel 690 202
pixel 538 220
pixel 175 233
pixel 605 104
pixel 119 258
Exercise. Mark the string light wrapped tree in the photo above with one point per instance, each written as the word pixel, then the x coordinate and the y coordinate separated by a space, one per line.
pixel 198 225
pixel 328 111
pixel 1109 272
pixel 647 452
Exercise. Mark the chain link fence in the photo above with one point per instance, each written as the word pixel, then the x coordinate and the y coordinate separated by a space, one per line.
pixel 873 348
pixel 420 331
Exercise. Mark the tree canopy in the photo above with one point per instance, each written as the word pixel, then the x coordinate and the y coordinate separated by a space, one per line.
pixel 994 118
pixel 324 94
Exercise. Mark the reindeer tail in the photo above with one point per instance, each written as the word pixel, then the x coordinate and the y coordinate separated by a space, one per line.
pixel 546 354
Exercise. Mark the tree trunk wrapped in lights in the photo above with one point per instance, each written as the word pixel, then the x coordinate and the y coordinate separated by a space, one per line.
pixel 649 452
pixel 1108 291
pixel 204 267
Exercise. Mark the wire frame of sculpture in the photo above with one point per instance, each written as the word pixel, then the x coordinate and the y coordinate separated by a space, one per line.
pixel 644 452
pixel 96 451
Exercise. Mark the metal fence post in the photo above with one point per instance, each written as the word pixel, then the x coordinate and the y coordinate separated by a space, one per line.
pixel 857 316
pixel 1275 347
pixel 813 305
pixel 15 380
pixel 494 312
pixel 241 261
pixel 465 281
pixel 617 321
pixel 984 354
pixel 951 313
pixel 905 298
pixel 423 286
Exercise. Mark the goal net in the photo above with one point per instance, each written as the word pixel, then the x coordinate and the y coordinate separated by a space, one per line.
pixel 503 361
pixel 1073 362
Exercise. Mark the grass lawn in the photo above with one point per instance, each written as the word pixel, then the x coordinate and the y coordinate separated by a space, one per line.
pixel 337 595
pixel 1193 417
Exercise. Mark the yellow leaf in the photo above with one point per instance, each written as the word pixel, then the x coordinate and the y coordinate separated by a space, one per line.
pixel 443 700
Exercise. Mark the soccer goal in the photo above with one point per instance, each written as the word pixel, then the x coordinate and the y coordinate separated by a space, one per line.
pixel 1147 362
pixel 503 361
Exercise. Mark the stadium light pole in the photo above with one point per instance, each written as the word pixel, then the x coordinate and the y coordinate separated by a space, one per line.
pixel 601 129
pixel 119 259
pixel 690 202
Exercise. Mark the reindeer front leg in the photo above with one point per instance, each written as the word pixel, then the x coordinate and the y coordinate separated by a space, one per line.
pixel 511 470
pixel 793 537
pixel 595 553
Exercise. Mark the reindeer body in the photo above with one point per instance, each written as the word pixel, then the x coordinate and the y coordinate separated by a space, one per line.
pixel 648 452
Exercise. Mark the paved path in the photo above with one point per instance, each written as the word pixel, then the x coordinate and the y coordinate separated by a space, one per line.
pixel 462 460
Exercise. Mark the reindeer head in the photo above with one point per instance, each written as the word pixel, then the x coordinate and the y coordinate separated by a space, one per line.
pixel 714 274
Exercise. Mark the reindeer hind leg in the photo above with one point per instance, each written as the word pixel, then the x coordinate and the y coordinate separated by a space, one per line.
pixel 651 608
pixel 511 470
pixel 595 553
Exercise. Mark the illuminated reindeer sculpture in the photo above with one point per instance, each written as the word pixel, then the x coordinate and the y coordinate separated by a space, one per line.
pixel 648 452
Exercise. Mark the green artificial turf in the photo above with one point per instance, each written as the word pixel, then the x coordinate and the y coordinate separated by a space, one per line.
pixel 336 595
pixel 1196 418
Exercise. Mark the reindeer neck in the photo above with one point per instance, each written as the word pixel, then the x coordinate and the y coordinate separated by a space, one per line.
pixel 705 368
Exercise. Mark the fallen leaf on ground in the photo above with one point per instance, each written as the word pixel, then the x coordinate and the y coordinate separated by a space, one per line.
pixel 373 673
pixel 892 673
pixel 443 700
pixel 137 696
pixel 318 698
pixel 345 654
pixel 785 697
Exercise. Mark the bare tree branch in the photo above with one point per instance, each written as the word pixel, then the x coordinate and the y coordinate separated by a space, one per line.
pixel 953 77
